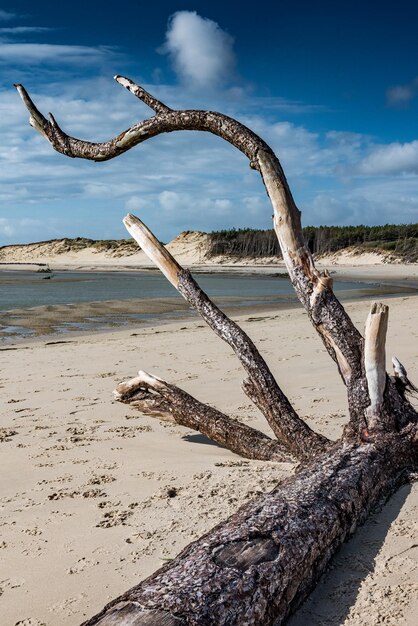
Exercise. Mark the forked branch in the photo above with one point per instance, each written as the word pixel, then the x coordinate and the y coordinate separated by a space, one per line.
pixel 291 431
pixel 154 396
pixel 259 565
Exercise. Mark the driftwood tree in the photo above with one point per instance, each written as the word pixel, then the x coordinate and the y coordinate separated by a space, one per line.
pixel 259 565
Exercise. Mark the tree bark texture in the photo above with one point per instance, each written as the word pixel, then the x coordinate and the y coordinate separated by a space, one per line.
pixel 258 566
pixel 155 397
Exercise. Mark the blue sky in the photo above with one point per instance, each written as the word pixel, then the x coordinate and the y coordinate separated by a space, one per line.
pixel 333 87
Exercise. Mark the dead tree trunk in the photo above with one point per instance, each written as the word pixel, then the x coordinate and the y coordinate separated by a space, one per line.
pixel 258 566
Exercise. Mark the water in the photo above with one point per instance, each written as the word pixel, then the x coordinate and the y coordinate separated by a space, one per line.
pixel 34 303
pixel 31 289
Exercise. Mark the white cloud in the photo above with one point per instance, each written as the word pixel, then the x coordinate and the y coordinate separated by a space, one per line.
pixel 394 158
pixel 172 202
pixel 182 181
pixel 23 30
pixel 201 52
pixel 254 204
pixel 34 53
pixel 402 95
pixel 135 204
pixel 10 228
pixel 393 201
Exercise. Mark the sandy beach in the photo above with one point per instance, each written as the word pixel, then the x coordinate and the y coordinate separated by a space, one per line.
pixel 95 496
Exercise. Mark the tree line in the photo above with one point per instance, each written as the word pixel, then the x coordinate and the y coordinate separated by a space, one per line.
pixel 399 239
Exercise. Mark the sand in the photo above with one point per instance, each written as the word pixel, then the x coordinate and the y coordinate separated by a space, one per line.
pixel 189 248
pixel 94 496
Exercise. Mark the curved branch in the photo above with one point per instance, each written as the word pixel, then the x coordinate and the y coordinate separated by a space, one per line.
pixel 291 431
pixel 341 338
pixel 154 396
pixel 218 124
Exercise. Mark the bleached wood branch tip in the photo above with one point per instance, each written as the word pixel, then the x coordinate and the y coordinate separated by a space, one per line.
pixel 375 355
pixel 398 369
pixel 142 94
pixel 153 248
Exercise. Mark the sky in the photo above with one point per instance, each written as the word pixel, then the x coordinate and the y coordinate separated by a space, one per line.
pixel 331 86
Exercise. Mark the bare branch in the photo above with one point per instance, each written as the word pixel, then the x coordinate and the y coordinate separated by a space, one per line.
pixel 399 370
pixel 153 249
pixel 375 359
pixel 36 120
pixel 154 396
pixel 143 95
pixel 341 338
pixel 226 127
pixel 289 429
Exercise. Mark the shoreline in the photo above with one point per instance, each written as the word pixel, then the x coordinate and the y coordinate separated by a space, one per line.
pixel 388 273
pixel 85 479
pixel 83 316
pixel 67 321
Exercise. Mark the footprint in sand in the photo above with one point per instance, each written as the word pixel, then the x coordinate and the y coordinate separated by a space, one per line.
pixel 6 434
pixel 101 480
pixel 114 518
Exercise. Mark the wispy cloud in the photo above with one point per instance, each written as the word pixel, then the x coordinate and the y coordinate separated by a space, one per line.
pixel 178 180
pixel 367 202
pixel 24 30
pixel 394 158
pixel 194 180
pixel 402 95
pixel 34 53
pixel 5 16
pixel 201 52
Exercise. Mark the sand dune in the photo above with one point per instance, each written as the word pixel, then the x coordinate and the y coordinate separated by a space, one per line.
pixel 189 248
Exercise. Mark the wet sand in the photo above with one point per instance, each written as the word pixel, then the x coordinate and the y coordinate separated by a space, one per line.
pixel 82 315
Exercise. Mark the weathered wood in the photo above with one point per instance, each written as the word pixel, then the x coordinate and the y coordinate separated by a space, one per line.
pixel 375 360
pixel 399 370
pixel 259 565
pixel 261 387
pixel 154 250
pixel 143 95
pixel 340 336
pixel 154 396
pixel 255 568
pixel 131 614
pixel 401 378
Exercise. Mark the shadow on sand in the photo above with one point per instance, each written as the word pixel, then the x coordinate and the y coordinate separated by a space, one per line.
pixel 330 602
pixel 198 438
